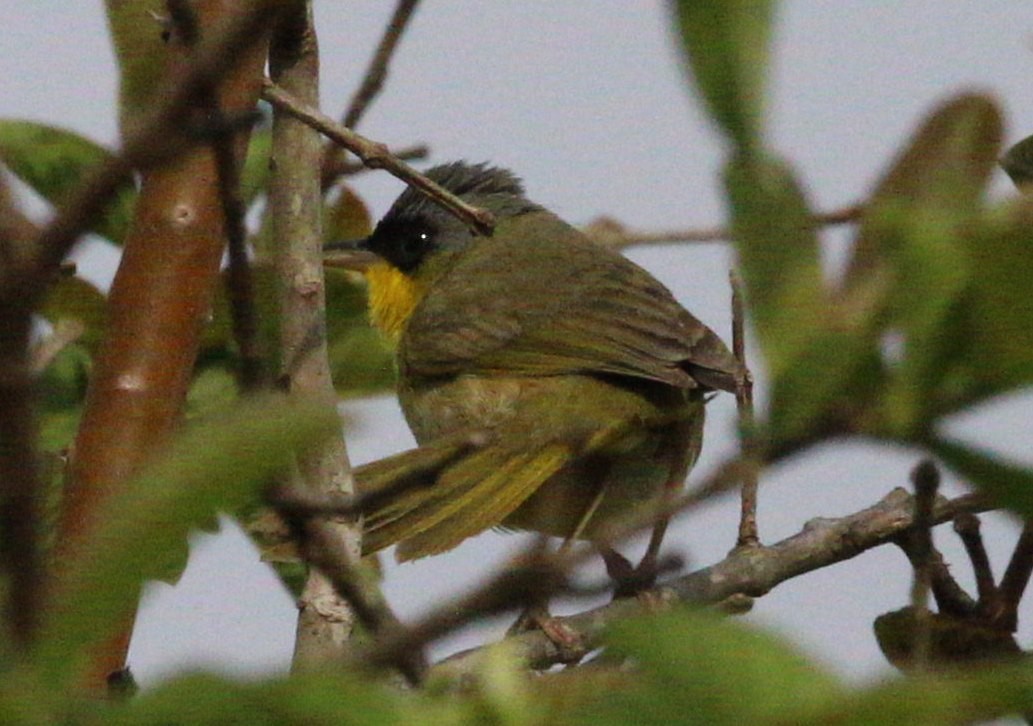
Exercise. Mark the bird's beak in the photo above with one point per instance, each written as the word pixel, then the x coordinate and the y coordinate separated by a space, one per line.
pixel 350 254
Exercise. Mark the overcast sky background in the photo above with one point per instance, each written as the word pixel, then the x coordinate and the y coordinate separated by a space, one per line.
pixel 588 102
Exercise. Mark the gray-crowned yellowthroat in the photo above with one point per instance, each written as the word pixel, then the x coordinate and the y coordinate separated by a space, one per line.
pixel 552 384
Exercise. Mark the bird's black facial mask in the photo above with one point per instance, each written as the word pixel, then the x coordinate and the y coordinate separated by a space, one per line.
pixel 404 242
pixel 416 226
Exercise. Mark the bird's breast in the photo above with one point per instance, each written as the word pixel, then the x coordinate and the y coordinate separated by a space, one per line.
pixel 463 403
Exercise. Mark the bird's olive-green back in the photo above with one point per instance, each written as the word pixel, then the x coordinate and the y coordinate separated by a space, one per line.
pixel 539 298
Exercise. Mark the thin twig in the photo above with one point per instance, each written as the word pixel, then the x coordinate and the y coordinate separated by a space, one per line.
pixel 967 527
pixel 322 547
pixel 951 598
pixel 240 285
pixel 372 83
pixel 376 73
pixel 926 480
pixel 611 233
pixel 376 155
pixel 748 535
pixel 346 167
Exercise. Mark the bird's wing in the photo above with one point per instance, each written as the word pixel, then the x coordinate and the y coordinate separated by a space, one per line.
pixel 436 496
pixel 429 499
pixel 553 302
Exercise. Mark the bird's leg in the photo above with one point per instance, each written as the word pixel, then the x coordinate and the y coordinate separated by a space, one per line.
pixel 634 581
pixel 536 615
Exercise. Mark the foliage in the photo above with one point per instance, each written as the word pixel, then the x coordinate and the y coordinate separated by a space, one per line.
pixel 934 266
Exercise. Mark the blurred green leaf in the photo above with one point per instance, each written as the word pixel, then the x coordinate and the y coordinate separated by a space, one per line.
pixel 213 391
pixel 136 32
pixel 999 321
pixel 332 698
pixel 255 175
pixel 941 173
pixel 54 161
pixel 812 346
pixel 703 668
pixel 778 254
pixel 727 45
pixel 916 229
pixel 215 467
pixel 62 392
pixel 970 696
pixel 360 360
pixel 1009 484
pixel 347 217
pixel 73 298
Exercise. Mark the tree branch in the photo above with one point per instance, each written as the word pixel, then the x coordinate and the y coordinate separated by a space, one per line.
pixel 372 83
pixel 166 279
pixel 611 233
pixel 753 571
pixel 332 547
pixel 376 155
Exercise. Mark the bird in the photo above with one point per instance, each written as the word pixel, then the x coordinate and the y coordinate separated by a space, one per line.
pixel 552 385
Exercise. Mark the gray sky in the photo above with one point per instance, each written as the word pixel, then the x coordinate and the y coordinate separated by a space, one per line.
pixel 588 102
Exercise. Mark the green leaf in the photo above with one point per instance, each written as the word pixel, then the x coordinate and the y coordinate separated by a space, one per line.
pixel 73 298
pixel 971 696
pixel 778 254
pixel 1009 484
pixel 136 32
pixel 727 45
pixel 54 161
pixel 360 360
pixel 62 392
pixel 702 668
pixel 215 467
pixel 255 175
pixel 916 230
pixel 998 336
pixel 819 349
pixel 347 218
pixel 332 697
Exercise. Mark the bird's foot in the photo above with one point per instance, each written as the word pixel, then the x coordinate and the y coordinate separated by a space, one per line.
pixel 630 580
pixel 565 638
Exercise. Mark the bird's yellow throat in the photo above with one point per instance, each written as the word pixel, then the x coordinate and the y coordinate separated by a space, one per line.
pixel 392 297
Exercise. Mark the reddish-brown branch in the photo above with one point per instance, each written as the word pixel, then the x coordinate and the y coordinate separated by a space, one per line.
pixel 159 299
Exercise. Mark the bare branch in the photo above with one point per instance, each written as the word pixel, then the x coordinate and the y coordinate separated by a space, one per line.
pixel 334 591
pixel 744 401
pixel 753 571
pixel 611 233
pixel 372 83
pixel 1016 578
pixel 926 480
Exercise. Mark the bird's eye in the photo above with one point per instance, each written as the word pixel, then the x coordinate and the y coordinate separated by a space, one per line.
pixel 413 246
